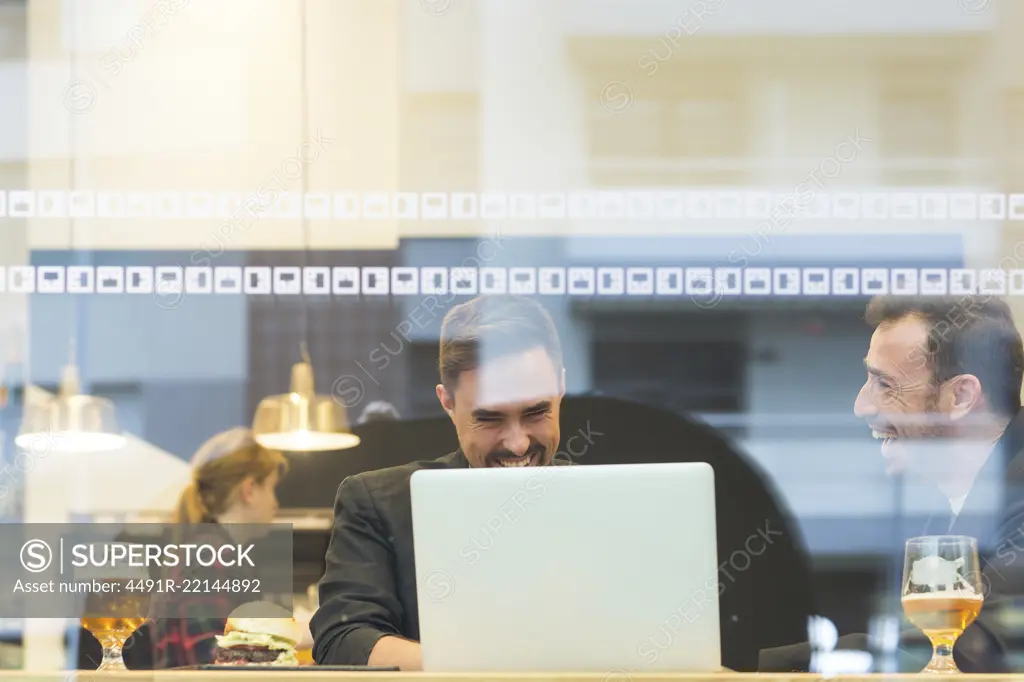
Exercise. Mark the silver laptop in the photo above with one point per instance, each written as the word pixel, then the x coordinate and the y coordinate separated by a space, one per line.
pixel 601 568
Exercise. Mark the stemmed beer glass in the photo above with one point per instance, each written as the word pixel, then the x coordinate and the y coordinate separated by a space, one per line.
pixel 115 612
pixel 942 592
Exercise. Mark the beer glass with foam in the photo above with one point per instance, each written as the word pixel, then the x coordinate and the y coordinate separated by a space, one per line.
pixel 116 599
pixel 942 592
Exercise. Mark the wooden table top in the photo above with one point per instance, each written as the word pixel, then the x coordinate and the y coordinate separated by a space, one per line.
pixel 322 676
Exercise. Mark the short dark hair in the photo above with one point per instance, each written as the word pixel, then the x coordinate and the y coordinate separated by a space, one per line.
pixel 498 325
pixel 966 335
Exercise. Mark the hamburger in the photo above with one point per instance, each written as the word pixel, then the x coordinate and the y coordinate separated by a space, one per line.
pixel 258 641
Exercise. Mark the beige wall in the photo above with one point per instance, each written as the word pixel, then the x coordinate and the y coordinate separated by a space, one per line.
pixel 206 103
pixel 208 97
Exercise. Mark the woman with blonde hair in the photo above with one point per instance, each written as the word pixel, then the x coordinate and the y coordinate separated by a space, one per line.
pixel 233 482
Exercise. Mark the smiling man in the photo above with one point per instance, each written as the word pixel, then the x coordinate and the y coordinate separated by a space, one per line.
pixel 943 385
pixel 502 382
pixel 943 396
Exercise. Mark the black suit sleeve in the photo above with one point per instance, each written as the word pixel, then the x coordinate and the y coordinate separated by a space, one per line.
pixel 358 596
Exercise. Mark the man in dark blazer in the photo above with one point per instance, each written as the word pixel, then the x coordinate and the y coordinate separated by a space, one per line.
pixel 502 382
pixel 943 394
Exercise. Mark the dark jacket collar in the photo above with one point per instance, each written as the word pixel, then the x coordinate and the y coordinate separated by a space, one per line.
pixel 1006 463
pixel 1009 448
pixel 456 460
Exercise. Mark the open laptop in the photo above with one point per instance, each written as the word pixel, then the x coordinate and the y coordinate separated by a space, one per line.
pixel 601 568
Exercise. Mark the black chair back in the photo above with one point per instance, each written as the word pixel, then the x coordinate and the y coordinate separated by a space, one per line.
pixel 765 581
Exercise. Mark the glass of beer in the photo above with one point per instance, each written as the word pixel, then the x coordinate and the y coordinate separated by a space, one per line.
pixel 116 601
pixel 942 592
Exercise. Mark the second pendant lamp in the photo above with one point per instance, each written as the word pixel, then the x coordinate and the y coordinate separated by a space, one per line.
pixel 302 421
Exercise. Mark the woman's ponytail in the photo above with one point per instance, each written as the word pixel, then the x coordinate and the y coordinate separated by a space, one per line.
pixel 191 508
pixel 218 469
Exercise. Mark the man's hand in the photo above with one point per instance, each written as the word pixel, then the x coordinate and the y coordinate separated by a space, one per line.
pixel 394 651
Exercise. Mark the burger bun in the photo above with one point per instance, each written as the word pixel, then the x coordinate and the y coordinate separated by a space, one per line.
pixel 286 629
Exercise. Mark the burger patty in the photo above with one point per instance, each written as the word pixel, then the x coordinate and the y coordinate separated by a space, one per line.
pixel 240 655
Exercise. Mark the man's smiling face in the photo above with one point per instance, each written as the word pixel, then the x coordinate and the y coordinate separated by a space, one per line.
pixel 900 401
pixel 506 411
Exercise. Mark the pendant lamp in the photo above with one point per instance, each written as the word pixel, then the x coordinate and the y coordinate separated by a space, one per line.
pixel 302 421
pixel 69 421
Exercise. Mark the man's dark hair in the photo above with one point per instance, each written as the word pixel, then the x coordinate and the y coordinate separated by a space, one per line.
pixel 495 326
pixel 966 335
